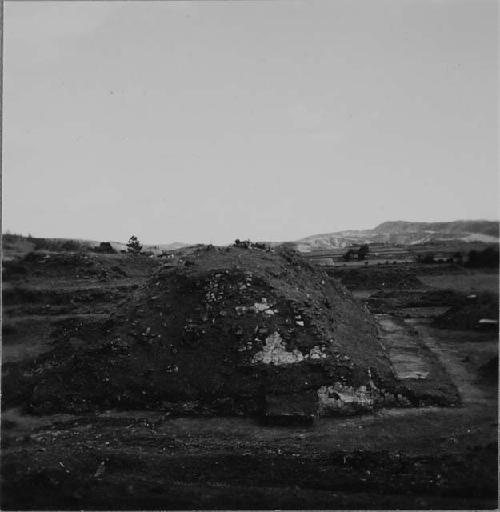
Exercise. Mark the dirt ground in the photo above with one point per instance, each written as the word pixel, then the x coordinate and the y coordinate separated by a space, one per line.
pixel 418 457
pixel 468 280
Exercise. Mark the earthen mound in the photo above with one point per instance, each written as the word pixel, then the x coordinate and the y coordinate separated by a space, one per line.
pixel 233 331
pixel 477 312
pixel 76 265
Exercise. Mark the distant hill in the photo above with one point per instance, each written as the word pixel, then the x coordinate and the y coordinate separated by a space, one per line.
pixel 16 244
pixel 155 248
pixel 483 227
pixel 405 233
pixel 173 246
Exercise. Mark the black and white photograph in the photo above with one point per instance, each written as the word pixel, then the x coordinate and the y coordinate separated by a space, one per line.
pixel 250 255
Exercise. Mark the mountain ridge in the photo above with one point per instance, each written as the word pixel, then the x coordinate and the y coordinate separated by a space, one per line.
pixel 405 233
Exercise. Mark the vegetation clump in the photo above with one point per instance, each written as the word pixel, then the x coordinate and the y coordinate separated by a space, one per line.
pixel 247 244
pixel 133 245
pixel 488 257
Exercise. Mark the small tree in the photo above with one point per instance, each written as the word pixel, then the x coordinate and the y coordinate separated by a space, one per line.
pixel 428 259
pixel 133 245
pixel 363 251
pixel 349 255
pixel 457 257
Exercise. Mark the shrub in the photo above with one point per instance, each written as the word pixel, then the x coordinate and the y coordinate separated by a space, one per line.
pixel 134 246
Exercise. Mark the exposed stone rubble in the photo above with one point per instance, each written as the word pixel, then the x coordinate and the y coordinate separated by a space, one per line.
pixel 275 352
pixel 339 396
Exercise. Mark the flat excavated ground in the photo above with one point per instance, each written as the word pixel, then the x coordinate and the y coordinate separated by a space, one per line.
pixel 413 458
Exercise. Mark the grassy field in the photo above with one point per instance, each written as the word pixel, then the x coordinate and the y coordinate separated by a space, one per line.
pixel 469 281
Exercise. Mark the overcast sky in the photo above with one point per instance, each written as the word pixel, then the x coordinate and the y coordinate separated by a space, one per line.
pixel 270 120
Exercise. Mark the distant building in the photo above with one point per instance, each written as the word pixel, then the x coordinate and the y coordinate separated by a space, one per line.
pixel 167 255
pixel 105 248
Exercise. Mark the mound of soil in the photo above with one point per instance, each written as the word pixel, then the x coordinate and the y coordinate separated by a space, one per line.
pixel 79 265
pixel 378 278
pixel 235 331
pixel 467 315
pixel 20 295
pixel 45 264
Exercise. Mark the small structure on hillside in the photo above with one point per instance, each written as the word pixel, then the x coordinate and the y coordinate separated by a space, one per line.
pixel 104 248
pixel 166 255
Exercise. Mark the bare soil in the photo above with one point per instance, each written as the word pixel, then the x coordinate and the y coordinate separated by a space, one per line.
pixel 362 278
pixel 439 456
